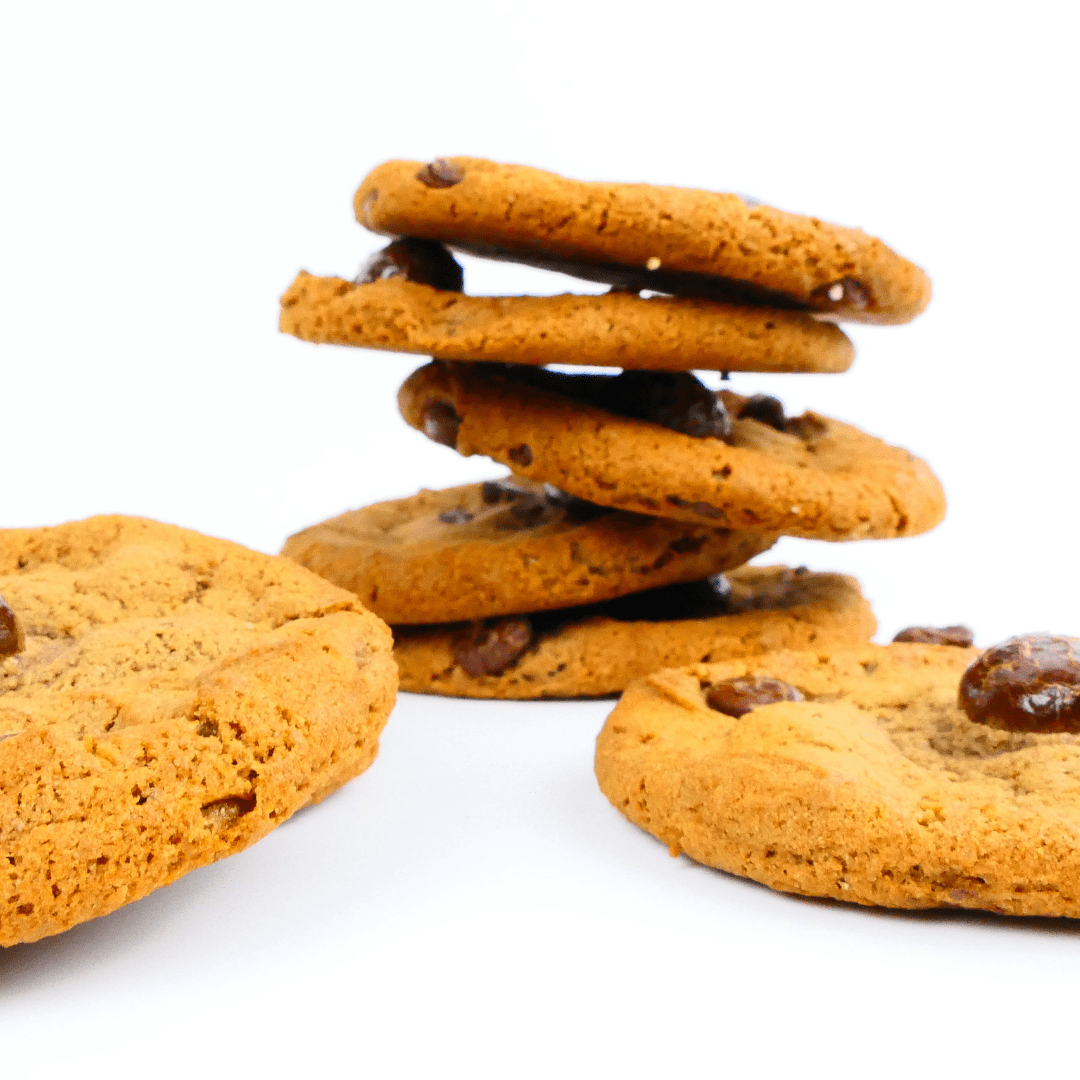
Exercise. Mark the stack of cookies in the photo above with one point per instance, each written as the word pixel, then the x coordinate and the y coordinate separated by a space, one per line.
pixel 618 544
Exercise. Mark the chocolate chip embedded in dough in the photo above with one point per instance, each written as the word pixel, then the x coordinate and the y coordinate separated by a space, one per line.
pixel 425 262
pixel 440 173
pixel 441 423
pixel 764 409
pixel 493 648
pixel 1028 683
pixel 932 635
pixel 675 400
pixel 521 455
pixel 12 638
pixel 737 697
pixel 841 296
pixel 455 517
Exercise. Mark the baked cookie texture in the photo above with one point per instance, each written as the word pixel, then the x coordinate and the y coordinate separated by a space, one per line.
pixel 877 789
pixel 409 566
pixel 830 481
pixel 178 697
pixel 527 211
pixel 589 653
pixel 661 333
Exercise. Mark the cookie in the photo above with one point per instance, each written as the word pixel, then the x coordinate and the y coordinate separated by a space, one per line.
pixel 613 330
pixel 877 788
pixel 175 698
pixel 816 478
pixel 598 649
pixel 669 239
pixel 507 546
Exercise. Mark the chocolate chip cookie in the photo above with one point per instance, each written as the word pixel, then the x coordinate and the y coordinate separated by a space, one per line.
pixel 617 329
pixel 893 775
pixel 598 648
pixel 651 443
pixel 507 546
pixel 643 236
pixel 166 699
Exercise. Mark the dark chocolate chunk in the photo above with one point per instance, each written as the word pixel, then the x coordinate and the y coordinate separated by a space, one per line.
pixel 494 645
pixel 12 639
pixel 932 635
pixel 1029 683
pixel 455 517
pixel 521 455
pixel 440 173
pixel 441 423
pixel 737 697
pixel 764 409
pixel 841 296
pixel 426 262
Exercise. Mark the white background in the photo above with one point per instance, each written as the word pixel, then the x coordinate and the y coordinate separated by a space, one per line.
pixel 472 906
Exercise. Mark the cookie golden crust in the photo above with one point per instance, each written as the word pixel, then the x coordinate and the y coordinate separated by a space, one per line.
pixel 532 215
pixel 877 789
pixel 829 482
pixel 498 555
pixel 661 333
pixel 178 697
pixel 590 653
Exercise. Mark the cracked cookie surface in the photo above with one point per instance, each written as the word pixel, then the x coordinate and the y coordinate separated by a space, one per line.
pixel 177 697
pixel 821 479
pixel 502 547
pixel 876 789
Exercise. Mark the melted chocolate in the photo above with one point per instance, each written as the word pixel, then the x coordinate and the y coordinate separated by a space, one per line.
pixel 426 262
pixel 1029 683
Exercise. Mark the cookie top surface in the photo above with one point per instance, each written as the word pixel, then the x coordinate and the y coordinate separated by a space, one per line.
pixel 818 478
pixel 507 546
pixel 597 649
pixel 615 330
pixel 176 697
pixel 876 788
pixel 594 228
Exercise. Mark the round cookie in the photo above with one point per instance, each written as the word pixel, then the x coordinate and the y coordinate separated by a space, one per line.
pixel 661 333
pixel 818 478
pixel 676 239
pixel 175 699
pixel 506 546
pixel 598 649
pixel 875 789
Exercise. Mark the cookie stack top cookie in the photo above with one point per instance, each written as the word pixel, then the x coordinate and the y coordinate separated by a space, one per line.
pixel 610 464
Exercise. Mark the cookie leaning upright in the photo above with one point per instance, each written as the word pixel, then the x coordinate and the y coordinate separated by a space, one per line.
pixel 171 699
pixel 700 242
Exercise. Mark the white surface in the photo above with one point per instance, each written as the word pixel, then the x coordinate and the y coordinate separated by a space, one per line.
pixel 472 906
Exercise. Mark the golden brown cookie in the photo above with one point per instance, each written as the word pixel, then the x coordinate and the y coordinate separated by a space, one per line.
pixel 506 546
pixel 674 239
pixel 817 478
pixel 177 697
pixel 876 788
pixel 615 330
pixel 598 649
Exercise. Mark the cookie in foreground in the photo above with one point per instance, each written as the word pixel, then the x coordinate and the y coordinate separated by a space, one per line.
pixel 166 699
pixel 597 649
pixel 862 776
pixel 671 239
pixel 507 546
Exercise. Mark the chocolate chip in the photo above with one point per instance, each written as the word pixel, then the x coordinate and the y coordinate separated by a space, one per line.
pixel 806 427
pixel 455 517
pixel 521 455
pixel 440 173
pixel 426 262
pixel 737 697
pixel 930 635
pixel 1029 683
pixel 847 294
pixel 12 638
pixel 494 491
pixel 441 423
pixel 493 648
pixel 764 409
pixel 675 400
